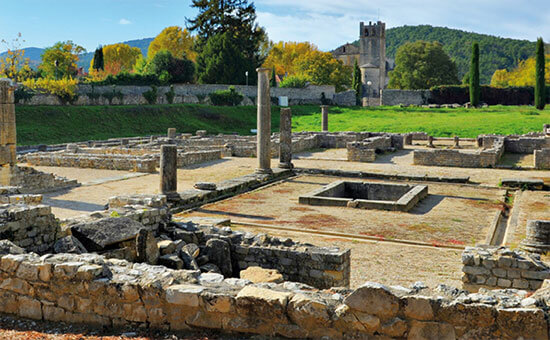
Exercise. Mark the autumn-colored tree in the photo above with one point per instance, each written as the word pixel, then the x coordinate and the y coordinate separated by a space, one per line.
pixel 14 65
pixel 118 58
pixel 176 40
pixel 59 61
pixel 283 56
pixel 522 75
pixel 321 68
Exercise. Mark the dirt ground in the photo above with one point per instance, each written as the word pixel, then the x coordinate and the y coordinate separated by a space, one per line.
pixel 451 214
pixel 388 263
pixel 99 185
pixel 531 205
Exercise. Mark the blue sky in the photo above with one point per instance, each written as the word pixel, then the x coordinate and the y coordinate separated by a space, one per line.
pixel 326 23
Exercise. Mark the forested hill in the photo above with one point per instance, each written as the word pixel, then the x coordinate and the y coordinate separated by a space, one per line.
pixel 495 52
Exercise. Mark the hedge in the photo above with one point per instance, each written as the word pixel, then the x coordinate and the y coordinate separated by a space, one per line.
pixel 460 94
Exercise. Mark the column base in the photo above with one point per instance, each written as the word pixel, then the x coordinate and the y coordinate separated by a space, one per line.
pixel 171 196
pixel 264 171
pixel 286 165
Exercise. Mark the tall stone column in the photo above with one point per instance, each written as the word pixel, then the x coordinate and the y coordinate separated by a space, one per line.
pixel 171 133
pixel 8 155
pixel 168 169
pixel 324 121
pixel 285 139
pixel 264 122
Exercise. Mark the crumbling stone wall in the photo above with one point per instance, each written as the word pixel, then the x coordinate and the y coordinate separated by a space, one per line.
pixel 495 267
pixel 106 292
pixel 482 158
pixel 33 228
pixel 393 97
pixel 542 159
pixel 525 144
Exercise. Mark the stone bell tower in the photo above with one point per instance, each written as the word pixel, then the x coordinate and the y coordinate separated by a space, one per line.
pixel 372 57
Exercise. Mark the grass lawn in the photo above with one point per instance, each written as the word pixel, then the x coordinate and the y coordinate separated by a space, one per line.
pixel 462 122
pixel 59 124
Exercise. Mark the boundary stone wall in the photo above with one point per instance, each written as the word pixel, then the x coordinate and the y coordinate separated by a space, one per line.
pixel 185 93
pixel 525 144
pixel 107 292
pixel 495 267
pixel 405 97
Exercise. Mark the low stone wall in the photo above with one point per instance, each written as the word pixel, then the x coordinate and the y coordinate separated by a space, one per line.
pixel 106 292
pixel 365 151
pixel 495 267
pixel 184 93
pixel 33 228
pixel 30 180
pixel 138 160
pixel 78 160
pixel 483 158
pixel 405 97
pixel 358 152
pixel 542 159
pixel 523 144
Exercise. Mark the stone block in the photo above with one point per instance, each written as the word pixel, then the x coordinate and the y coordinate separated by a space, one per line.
pixel 504 283
pixel 30 308
pixel 373 298
pixel 420 330
pixel 258 275
pixel 186 295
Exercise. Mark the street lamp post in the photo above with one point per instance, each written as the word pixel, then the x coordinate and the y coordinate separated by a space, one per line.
pixel 246 74
pixel 56 63
pixel 369 83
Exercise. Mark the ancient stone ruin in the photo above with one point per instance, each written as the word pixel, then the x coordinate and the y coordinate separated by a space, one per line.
pixel 180 257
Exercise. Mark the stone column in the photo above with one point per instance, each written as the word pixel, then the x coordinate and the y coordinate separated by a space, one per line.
pixel 8 155
pixel 456 142
pixel 171 133
pixel 285 139
pixel 168 169
pixel 264 122
pixel 324 120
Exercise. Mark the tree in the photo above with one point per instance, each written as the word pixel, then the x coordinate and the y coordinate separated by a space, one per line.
pixel 176 40
pixel 283 56
pixel 273 80
pixel 14 65
pixel 421 65
pixel 356 82
pixel 98 62
pixel 321 68
pixel 59 61
pixel 540 89
pixel 475 89
pixel 117 58
pixel 232 22
pixel 522 75
pixel 170 69
pixel 212 63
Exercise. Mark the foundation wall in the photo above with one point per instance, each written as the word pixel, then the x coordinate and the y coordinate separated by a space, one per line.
pixel 483 158
pixel 502 268
pixel 526 144
pixel 542 159
pixel 93 290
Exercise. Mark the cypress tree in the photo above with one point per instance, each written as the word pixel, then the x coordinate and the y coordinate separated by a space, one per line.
pixel 356 83
pixel 540 90
pixel 273 82
pixel 99 63
pixel 475 90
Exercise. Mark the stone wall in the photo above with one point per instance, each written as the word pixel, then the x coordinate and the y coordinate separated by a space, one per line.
pixel 405 97
pixel 482 158
pixel 542 159
pixel 495 267
pixel 524 144
pixel 30 180
pixel 114 293
pixel 185 93
pixel 358 152
pixel 138 160
pixel 33 228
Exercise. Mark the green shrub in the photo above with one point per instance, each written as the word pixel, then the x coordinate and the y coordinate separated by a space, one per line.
pixel 296 82
pixel 450 94
pixel 125 78
pixel 229 97
pixel 151 95
pixel 23 94
pixel 170 95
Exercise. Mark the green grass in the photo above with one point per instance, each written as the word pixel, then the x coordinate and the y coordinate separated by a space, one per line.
pixel 466 123
pixel 59 124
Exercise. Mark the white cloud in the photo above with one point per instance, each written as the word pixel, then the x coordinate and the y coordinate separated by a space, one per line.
pixel 329 23
pixel 124 21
